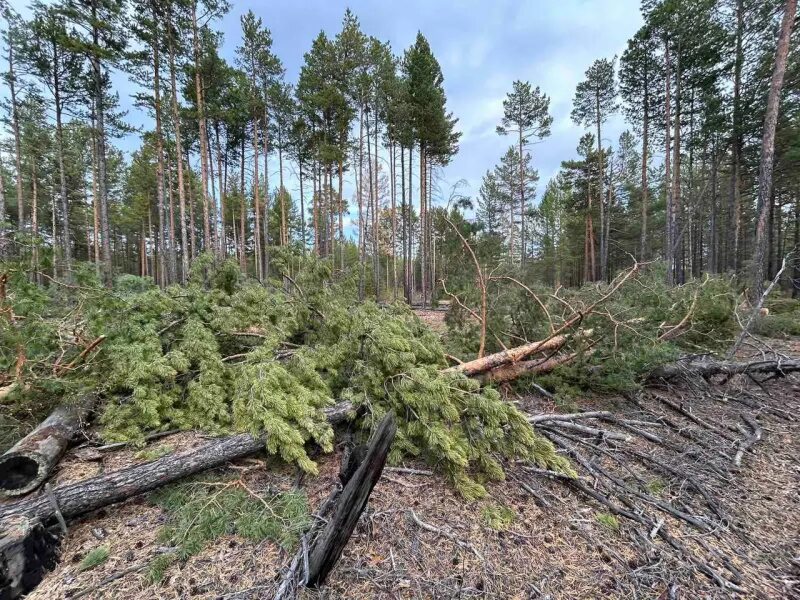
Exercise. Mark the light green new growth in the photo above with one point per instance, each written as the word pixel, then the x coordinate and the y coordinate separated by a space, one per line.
pixel 95 558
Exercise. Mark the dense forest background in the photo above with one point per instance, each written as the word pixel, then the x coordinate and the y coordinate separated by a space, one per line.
pixel 686 183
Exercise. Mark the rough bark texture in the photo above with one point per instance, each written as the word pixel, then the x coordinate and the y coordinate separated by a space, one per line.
pixel 512 355
pixel 85 496
pixel 328 547
pixel 768 147
pixel 26 466
pixel 707 368
pixel 512 371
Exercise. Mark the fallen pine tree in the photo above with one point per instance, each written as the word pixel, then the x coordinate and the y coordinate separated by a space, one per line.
pixel 28 549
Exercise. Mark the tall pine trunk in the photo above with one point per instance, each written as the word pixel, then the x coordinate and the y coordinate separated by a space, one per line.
pixel 669 251
pixel 12 79
pixel 257 205
pixel 768 148
pixel 208 242
pixel 176 123
pixel 62 178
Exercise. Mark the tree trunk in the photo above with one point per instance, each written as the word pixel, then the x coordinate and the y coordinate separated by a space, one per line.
pixel 78 498
pixel 257 205
pixel 676 174
pixel 735 209
pixel 12 79
pixel 165 270
pixel 351 503
pixel 62 178
pixel 362 229
pixel 3 240
pixel 768 147
pixel 600 196
pixel 176 123
pixel 643 253
pixel 201 120
pixel 669 251
pixel 222 238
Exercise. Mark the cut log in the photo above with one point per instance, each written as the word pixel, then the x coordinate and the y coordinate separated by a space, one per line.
pixel 512 355
pixel 78 498
pixel 29 463
pixel 707 368
pixel 513 371
pixel 27 549
pixel 329 545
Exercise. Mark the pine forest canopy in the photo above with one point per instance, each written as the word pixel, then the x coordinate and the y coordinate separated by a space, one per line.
pixel 364 135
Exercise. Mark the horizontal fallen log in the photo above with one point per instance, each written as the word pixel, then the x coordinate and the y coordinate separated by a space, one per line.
pixel 512 355
pixel 31 460
pixel 78 498
pixel 708 367
pixel 28 550
pixel 516 370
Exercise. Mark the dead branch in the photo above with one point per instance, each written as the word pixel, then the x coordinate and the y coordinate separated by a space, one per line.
pixel 757 310
pixel 749 441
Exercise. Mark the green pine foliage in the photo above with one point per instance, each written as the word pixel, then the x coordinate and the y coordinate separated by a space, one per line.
pixel 95 558
pixel 225 354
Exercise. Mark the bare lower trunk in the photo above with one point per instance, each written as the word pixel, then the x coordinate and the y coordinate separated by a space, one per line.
pixel 768 148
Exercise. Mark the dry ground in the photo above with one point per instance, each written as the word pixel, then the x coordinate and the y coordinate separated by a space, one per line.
pixel 419 539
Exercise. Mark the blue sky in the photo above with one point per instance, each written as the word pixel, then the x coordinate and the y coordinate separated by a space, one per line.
pixel 481 46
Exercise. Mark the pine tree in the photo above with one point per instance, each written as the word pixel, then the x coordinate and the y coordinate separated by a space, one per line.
pixel 526 113
pixel 595 100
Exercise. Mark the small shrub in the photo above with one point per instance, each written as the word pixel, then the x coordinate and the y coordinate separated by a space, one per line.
pixel 608 521
pixel 154 453
pixel 94 558
pixel 656 486
pixel 497 517
pixel 158 567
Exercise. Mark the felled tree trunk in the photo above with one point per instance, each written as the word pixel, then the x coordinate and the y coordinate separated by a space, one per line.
pixel 707 368
pixel 26 517
pixel 512 355
pixel 512 371
pixel 90 494
pixel 329 545
pixel 29 463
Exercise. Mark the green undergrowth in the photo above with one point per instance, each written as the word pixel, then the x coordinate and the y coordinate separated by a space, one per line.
pixel 225 353
pixel 94 558
pixel 201 511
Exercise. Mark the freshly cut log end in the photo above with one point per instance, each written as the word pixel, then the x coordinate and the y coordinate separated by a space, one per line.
pixel 29 463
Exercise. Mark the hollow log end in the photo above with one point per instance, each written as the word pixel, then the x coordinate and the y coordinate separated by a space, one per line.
pixel 27 551
pixel 21 473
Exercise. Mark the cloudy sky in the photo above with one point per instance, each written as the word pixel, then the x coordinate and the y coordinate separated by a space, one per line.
pixel 482 47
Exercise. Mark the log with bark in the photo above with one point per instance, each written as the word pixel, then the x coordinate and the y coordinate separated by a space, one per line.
pixel 75 499
pixel 515 370
pixel 29 463
pixel 707 367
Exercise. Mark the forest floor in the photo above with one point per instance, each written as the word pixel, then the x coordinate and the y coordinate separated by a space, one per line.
pixel 419 539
